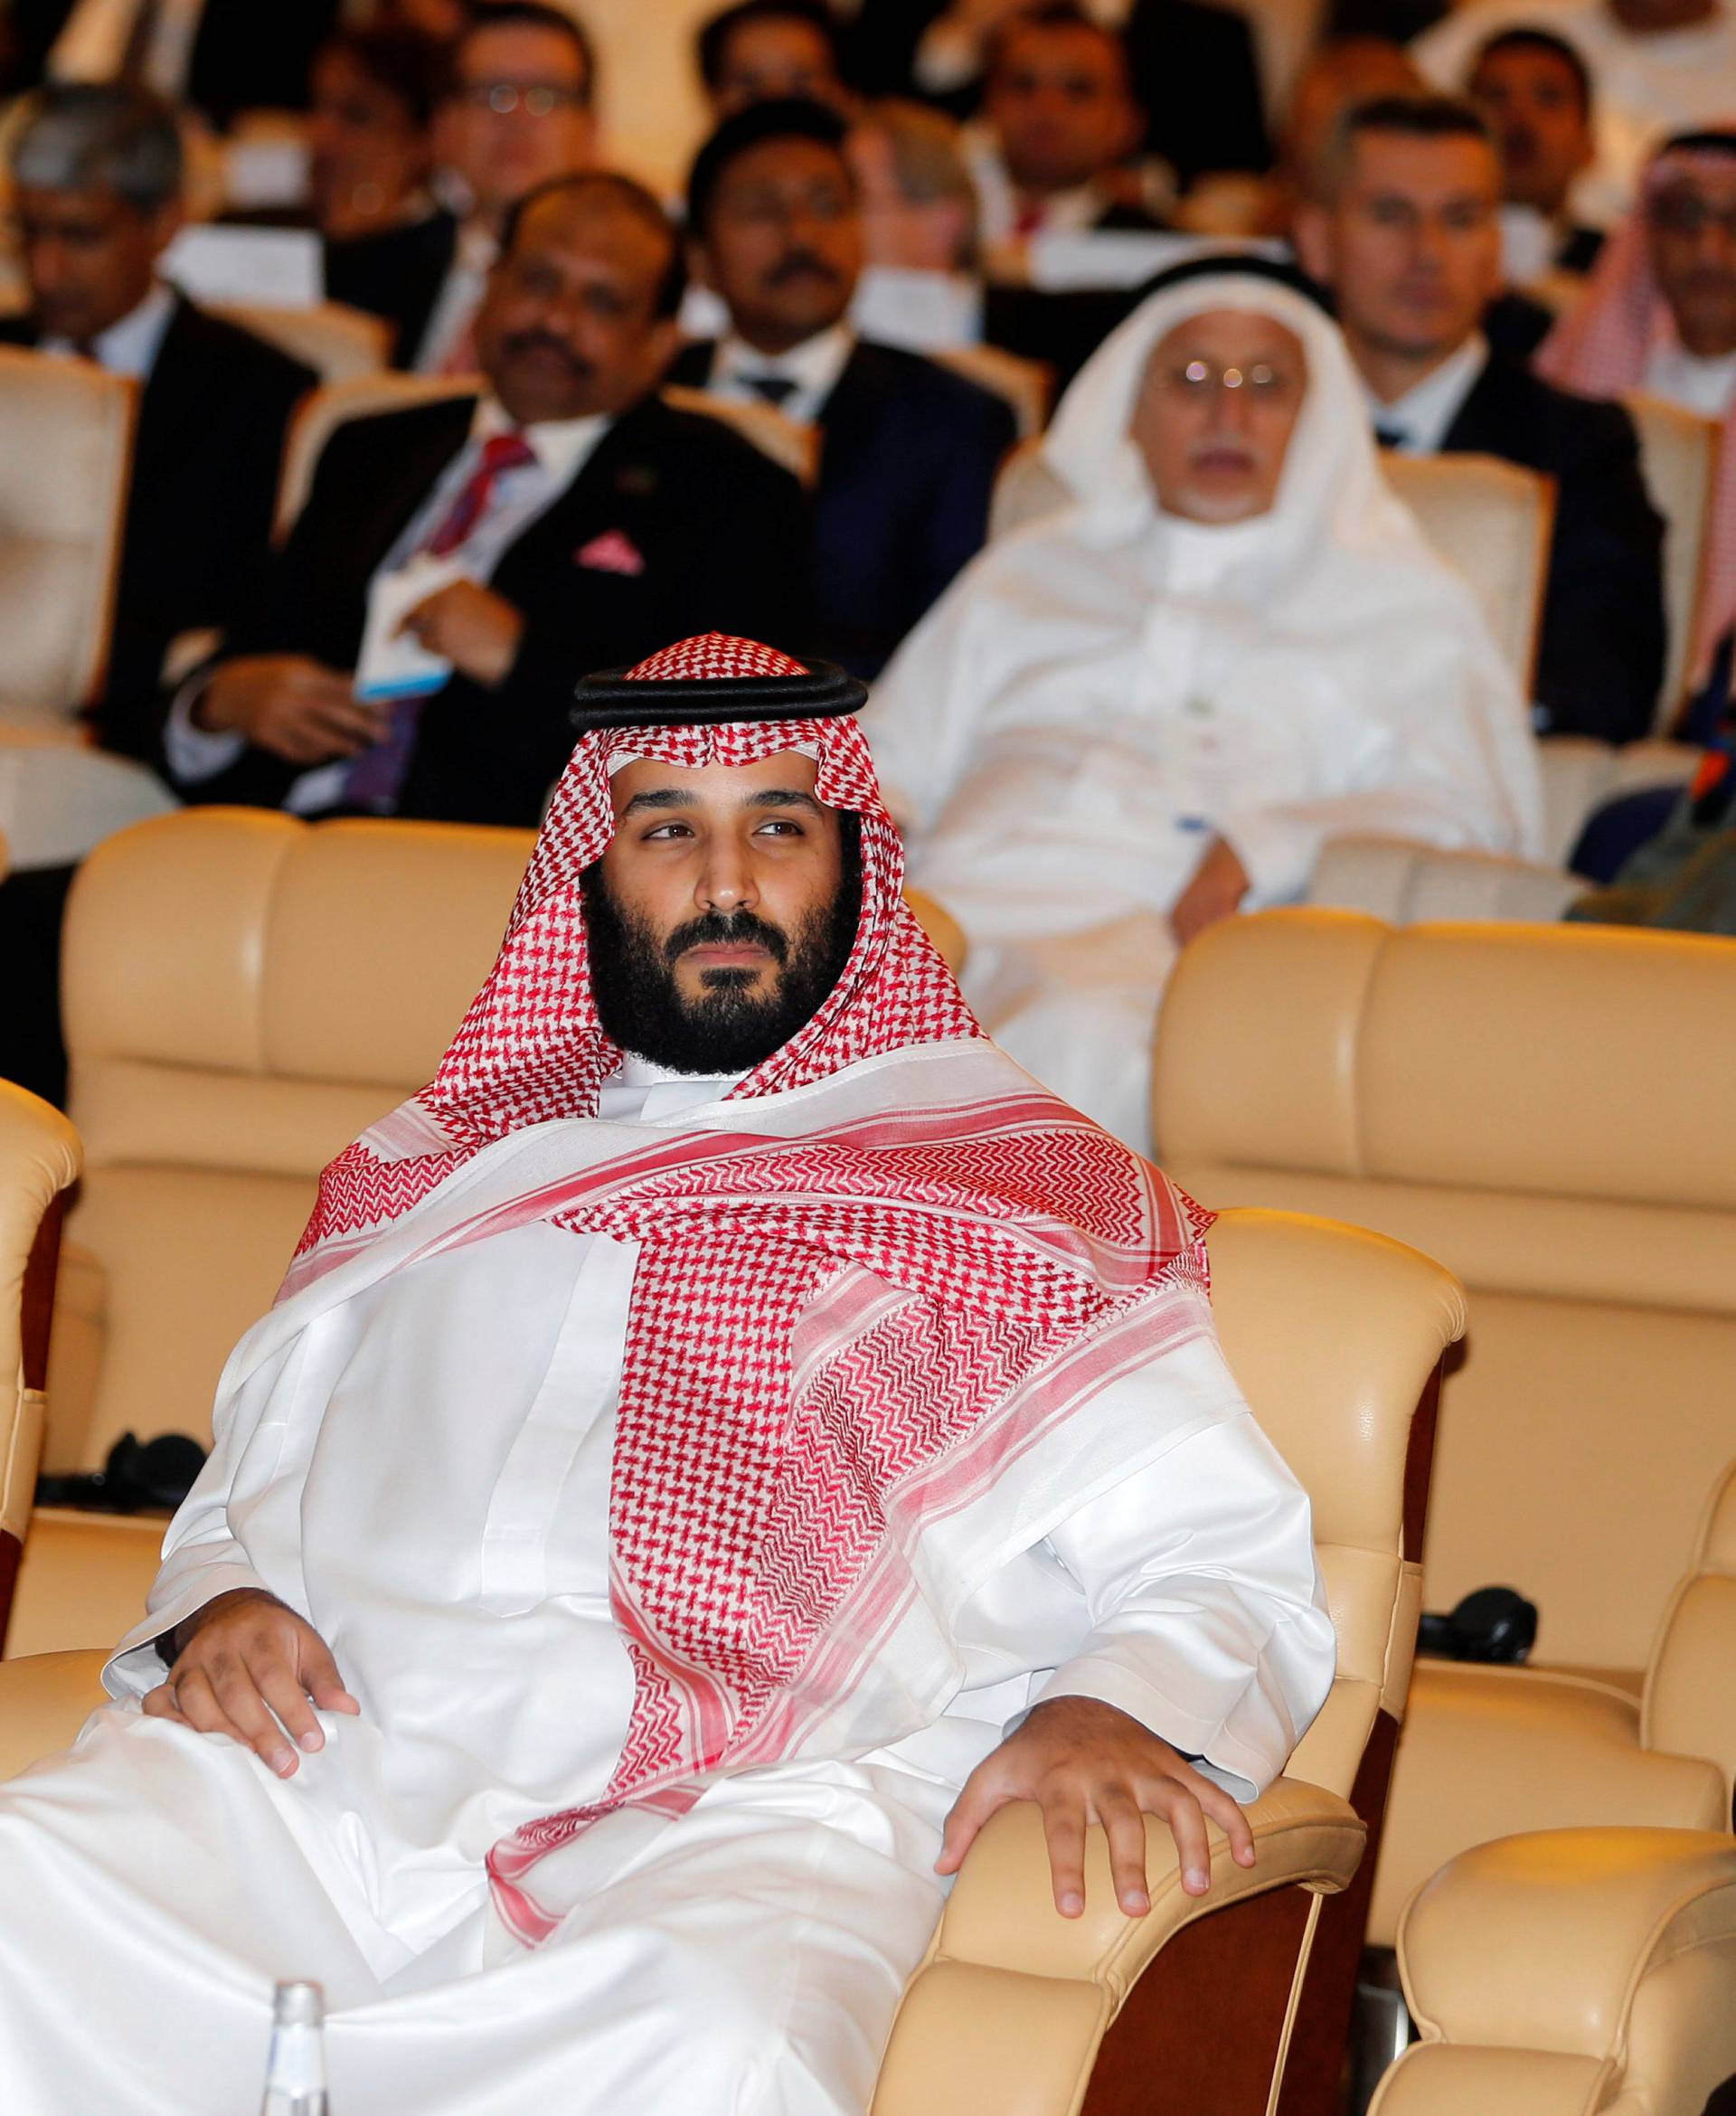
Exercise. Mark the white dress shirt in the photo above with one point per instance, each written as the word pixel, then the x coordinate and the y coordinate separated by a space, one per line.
pixel 814 367
pixel 130 346
pixel 1422 418
pixel 473 258
pixel 563 447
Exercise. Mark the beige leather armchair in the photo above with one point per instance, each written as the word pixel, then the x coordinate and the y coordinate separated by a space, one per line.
pixel 65 449
pixel 1336 1338
pixel 1245 2000
pixel 244 993
pixel 38 1162
pixel 337 342
pixel 1569 1973
pixel 1530 1105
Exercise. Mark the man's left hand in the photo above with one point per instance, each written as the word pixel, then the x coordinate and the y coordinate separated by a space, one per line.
pixel 1084 1762
pixel 471 627
pixel 1218 884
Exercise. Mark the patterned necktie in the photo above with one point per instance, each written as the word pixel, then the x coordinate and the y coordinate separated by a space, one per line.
pixel 775 388
pixel 501 452
pixel 375 778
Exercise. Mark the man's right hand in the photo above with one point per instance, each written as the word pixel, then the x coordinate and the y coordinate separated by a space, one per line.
pixel 243 1657
pixel 290 705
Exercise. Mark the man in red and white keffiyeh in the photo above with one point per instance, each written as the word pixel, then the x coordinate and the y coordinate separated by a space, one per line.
pixel 725 1436
pixel 1659 315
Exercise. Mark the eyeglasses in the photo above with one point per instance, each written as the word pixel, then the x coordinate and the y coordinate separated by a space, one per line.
pixel 1199 382
pixel 1685 213
pixel 536 100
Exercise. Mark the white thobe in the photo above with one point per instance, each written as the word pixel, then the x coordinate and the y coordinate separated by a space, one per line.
pixel 1105 691
pixel 1078 798
pixel 442 1521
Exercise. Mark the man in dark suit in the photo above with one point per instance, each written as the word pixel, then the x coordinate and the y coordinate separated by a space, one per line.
pixel 1058 103
pixel 1408 242
pixel 909 449
pixel 567 520
pixel 96 174
pixel 1192 65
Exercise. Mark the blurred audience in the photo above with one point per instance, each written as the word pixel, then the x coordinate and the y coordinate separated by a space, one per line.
pixel 1659 316
pixel 1660 312
pixel 1408 240
pixel 1060 126
pixel 1535 91
pixel 565 520
pixel 219 56
pixel 388 244
pixel 97 177
pixel 914 189
pixel 943 49
pixel 910 449
pixel 518 111
pixel 1658 65
pixel 1343 72
pixel 770 50
pixel 1154 706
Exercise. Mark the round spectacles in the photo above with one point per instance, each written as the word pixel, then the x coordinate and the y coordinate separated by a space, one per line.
pixel 1201 380
pixel 504 97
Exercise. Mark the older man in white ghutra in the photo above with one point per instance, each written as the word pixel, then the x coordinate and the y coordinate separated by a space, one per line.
pixel 1227 644
pixel 727 1435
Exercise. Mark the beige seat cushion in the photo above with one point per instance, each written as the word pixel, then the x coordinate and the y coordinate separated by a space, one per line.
pixel 1491 1752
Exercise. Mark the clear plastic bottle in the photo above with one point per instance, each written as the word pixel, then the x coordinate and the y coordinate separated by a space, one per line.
pixel 294 2076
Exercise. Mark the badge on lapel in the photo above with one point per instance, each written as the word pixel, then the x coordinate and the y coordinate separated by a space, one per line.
pixel 614 551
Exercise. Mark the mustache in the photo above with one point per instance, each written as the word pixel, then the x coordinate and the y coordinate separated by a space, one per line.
pixel 520 342
pixel 739 930
pixel 795 262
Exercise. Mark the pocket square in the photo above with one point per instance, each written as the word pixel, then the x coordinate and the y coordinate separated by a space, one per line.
pixel 614 551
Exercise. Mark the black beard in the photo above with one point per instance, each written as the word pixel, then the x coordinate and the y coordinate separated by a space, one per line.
pixel 728 1028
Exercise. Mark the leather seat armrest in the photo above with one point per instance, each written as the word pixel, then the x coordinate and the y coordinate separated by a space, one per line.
pixel 1001 1912
pixel 1562 1946
pixel 1006 2014
pixel 44 1699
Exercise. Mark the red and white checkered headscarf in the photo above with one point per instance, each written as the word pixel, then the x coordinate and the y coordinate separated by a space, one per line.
pixel 532 1047
pixel 835 1339
pixel 1603 346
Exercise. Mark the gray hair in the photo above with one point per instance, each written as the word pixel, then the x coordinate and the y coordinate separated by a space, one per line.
pixel 84 136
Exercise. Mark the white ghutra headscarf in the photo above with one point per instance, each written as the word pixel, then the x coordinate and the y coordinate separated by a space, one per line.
pixel 1334 590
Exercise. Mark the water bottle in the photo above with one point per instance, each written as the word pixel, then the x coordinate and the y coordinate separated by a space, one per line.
pixel 294 2076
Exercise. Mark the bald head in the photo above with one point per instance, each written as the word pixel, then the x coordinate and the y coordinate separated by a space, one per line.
pixel 579 316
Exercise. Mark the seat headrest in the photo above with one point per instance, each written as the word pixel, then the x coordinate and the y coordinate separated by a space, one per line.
pixel 1572 1061
pixel 232 940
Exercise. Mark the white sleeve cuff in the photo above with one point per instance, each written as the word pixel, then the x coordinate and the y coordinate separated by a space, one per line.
pixel 196 753
pixel 135 1666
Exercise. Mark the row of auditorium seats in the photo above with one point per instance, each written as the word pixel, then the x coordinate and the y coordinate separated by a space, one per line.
pixel 245 991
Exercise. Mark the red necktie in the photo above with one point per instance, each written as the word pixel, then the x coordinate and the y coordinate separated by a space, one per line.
pixel 500 452
pixel 1029 219
pixel 375 777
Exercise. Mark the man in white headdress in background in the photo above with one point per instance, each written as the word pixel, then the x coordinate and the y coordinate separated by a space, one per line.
pixel 1153 706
